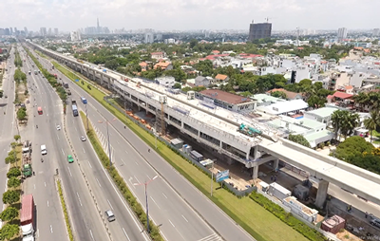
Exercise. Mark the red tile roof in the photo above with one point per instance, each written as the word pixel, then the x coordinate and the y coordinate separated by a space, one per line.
pixel 342 95
pixel 330 97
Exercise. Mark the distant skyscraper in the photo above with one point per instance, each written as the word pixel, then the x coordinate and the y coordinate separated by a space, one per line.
pixel 342 34
pixel 259 30
pixel 75 36
pixel 55 31
pixel 26 30
pixel 149 38
pixel 98 26
pixel 43 31
pixel 11 30
pixel 376 32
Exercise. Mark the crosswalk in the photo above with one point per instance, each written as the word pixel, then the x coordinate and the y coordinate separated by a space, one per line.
pixel 211 237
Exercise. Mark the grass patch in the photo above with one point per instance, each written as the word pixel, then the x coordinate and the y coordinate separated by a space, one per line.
pixel 120 183
pixel 257 221
pixel 67 219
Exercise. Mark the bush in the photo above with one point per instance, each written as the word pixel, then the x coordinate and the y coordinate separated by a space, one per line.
pixel 67 220
pixel 14 182
pixel 14 172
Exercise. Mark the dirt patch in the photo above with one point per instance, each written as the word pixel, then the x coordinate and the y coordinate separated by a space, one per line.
pixel 347 236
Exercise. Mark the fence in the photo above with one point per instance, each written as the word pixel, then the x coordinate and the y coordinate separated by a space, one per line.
pixel 187 157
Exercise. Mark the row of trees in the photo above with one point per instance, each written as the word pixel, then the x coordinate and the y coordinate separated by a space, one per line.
pixel 12 196
pixel 18 61
pixel 19 76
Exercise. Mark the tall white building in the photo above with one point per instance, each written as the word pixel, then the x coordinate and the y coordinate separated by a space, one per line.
pixel 75 36
pixel 149 38
pixel 342 34
pixel 376 32
pixel 43 31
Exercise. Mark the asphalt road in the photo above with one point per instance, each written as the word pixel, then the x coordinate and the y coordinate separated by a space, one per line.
pixel 7 127
pixel 87 224
pixel 169 203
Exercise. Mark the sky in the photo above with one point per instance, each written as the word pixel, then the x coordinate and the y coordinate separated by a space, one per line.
pixel 69 15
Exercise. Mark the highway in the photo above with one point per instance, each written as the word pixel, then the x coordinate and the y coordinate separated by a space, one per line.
pixel 87 224
pixel 126 227
pixel 7 126
pixel 175 204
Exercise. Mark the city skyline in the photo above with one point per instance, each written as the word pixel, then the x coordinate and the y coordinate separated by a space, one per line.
pixel 69 15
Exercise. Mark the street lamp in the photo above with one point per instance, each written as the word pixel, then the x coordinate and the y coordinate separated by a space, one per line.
pixel 108 139
pixel 146 198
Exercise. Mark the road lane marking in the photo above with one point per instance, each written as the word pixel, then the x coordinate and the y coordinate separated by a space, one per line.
pixel 147 176
pixel 155 202
pixel 51 229
pixel 185 218
pixel 126 235
pixel 130 180
pixel 45 184
pixel 136 163
pixel 98 182
pixel 136 179
pixel 118 142
pixel 80 202
pixel 92 236
pixel 34 186
pixel 126 152
pixel 171 223
pixel 57 137
pixel 47 203
pixel 109 204
pixel 38 233
pixel 164 195
pixel 69 171
pixel 63 152
pixel 89 163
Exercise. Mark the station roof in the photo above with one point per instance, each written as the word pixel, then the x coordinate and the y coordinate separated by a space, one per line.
pixel 225 96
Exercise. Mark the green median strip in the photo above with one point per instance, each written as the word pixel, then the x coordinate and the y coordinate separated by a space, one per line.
pixel 120 183
pixel 256 220
pixel 65 212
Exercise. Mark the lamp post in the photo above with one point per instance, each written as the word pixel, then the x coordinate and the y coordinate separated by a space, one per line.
pixel 146 198
pixel 108 139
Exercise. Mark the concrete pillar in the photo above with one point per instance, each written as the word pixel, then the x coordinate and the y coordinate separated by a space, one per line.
pixel 255 172
pixel 255 152
pixel 275 164
pixel 247 156
pixel 321 193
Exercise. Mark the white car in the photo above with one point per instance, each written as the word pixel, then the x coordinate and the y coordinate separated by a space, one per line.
pixel 58 127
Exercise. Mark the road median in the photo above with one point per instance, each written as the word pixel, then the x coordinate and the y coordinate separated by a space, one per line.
pixel 65 212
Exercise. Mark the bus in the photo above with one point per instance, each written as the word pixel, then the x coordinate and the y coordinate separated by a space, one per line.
pixel 39 109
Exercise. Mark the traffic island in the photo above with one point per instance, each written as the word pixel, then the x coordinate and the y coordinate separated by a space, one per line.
pixel 65 212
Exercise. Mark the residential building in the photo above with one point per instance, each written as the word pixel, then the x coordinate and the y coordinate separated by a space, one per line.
pixel 322 115
pixel 259 30
pixel 289 94
pixel 226 100
pixel 163 65
pixel 75 36
pixel 291 107
pixel 202 81
pixel 376 32
pixel 149 38
pixel 144 66
pixel 221 78
pixel 157 55
pixel 167 81
pixel 55 31
pixel 342 34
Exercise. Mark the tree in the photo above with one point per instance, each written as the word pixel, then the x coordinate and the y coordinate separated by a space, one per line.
pixel 193 43
pixel 300 139
pixel 278 94
pixel 344 122
pixel 112 64
pixel 353 146
pixel 10 197
pixel 372 122
pixel 9 214
pixel 14 172
pixel 21 114
pixel 8 231
pixel 14 182
pixel 177 86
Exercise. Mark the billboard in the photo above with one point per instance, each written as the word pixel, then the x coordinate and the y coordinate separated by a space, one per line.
pixel 220 176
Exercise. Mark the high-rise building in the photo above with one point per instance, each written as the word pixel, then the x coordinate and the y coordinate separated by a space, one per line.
pixel 259 30
pixel 149 38
pixel 342 34
pixel 50 32
pixel 376 32
pixel 75 36
pixel 11 30
pixel 98 26
pixel 25 30
pixel 43 31
pixel 55 31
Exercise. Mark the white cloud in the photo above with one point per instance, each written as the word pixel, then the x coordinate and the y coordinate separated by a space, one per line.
pixel 190 14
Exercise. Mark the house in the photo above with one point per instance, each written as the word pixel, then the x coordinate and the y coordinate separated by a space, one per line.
pixel 289 94
pixel 163 66
pixel 144 66
pixel 215 52
pixel 157 55
pixel 167 81
pixel 349 89
pixel 221 78
pixel 202 81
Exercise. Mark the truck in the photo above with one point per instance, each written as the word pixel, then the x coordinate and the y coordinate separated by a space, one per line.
pixel 27 219
pixel 27 170
pixel 74 107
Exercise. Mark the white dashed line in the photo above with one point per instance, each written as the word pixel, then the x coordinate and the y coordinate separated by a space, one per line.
pixel 171 223
pixel 185 218
pixel 69 171
pixel 98 182
pixel 80 202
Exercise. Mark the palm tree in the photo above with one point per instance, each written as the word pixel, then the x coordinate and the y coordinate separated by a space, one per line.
pixel 335 119
pixel 348 123
pixel 362 99
pixel 372 122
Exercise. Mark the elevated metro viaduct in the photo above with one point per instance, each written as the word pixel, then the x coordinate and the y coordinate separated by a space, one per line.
pixel 215 129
